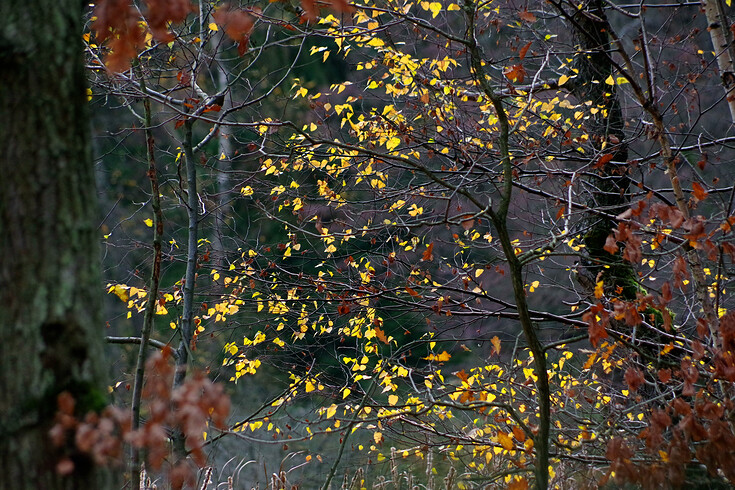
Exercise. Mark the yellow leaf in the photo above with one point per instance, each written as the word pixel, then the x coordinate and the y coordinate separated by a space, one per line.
pixel 331 411
pixel 392 399
pixel 377 437
pixel 121 292
pixel 346 392
pixel 609 80
pixel 435 8
pixel 563 79
pixel 392 143
pixel 148 222
pixel 505 441
pixel 309 387
pixel 599 290
pixel 213 27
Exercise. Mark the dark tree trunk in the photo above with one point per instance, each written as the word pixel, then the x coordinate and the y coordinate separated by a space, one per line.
pixel 606 130
pixel 51 333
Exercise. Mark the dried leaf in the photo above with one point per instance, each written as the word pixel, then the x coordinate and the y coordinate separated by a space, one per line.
pixel 527 16
pixel 524 50
pixel 380 334
pixel 611 245
pixel 428 256
pixel 699 193
pixel 237 25
pixel 515 73
pixel 496 345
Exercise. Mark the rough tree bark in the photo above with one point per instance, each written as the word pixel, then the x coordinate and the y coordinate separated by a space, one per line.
pixel 50 289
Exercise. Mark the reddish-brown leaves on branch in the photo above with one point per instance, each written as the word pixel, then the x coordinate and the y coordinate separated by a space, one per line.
pixel 597 318
pixel 625 234
pixel 634 379
pixel 187 409
pixel 311 8
pixel 527 16
pixel 237 24
pixel 118 21
pixel 161 12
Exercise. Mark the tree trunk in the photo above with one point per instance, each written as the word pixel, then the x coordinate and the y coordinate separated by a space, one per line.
pixel 51 332
pixel 606 130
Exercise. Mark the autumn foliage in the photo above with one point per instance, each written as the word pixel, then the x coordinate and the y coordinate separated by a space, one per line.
pixel 500 236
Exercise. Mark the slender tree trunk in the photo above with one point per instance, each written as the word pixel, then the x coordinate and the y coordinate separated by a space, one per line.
pixel 51 333
pixel 719 32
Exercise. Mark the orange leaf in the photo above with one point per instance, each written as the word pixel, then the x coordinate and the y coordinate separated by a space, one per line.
pixel 412 292
pixel 518 484
pixel 699 191
pixel 524 50
pixel 496 344
pixel 428 257
pixel 603 160
pixel 515 73
pixel 213 108
pixel 519 434
pixel 505 441
pixel 381 335
pixel 443 357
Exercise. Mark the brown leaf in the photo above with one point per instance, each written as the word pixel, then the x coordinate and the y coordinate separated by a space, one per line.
pixel 428 256
pixel 634 379
pixel 237 25
pixel 524 50
pixel 527 16
pixel 596 330
pixel 380 334
pixel 118 21
pixel 412 292
pixel 468 222
pixel 611 245
pixel 311 10
pixel 162 12
pixel 341 6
